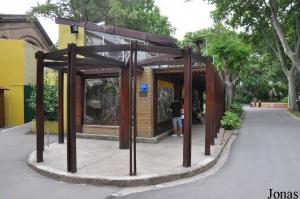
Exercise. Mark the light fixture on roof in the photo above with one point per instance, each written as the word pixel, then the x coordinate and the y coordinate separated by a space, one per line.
pixel 74 29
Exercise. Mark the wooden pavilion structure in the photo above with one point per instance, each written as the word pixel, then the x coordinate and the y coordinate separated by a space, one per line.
pixel 86 61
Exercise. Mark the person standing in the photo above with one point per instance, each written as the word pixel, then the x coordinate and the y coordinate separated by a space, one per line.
pixel 175 108
pixel 298 103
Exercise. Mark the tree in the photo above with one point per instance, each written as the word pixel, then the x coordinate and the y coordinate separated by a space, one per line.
pixel 282 16
pixel 262 79
pixel 267 43
pixel 277 23
pixel 229 51
pixel 141 15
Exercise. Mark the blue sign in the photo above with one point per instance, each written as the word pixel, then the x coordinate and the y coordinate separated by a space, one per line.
pixel 144 87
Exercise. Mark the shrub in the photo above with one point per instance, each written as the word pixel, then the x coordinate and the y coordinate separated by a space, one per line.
pixel 230 120
pixel 50 99
pixel 237 108
pixel 285 99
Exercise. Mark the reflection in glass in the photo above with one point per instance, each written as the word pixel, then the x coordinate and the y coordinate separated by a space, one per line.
pixel 165 94
pixel 102 101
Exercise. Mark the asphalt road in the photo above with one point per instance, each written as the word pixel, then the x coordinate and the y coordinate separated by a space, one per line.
pixel 18 181
pixel 266 155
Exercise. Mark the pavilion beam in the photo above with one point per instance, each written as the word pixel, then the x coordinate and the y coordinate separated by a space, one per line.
pixel 40 106
pixel 161 62
pixel 60 107
pixel 208 112
pixel 124 108
pixel 71 119
pixel 99 62
pixel 96 57
pixel 103 48
pixel 153 60
pixel 187 107
pixel 55 64
pixel 160 49
pixel 56 54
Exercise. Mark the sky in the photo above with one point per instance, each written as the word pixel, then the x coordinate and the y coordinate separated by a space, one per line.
pixel 185 17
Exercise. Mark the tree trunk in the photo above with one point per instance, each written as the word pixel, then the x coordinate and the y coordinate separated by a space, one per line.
pixel 229 95
pixel 292 91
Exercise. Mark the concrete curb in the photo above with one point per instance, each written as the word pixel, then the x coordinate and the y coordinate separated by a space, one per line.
pixel 128 181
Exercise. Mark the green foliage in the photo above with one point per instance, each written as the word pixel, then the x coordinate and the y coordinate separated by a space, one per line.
pixel 255 19
pixel 285 99
pixel 198 37
pixel 262 79
pixel 237 108
pixel 142 15
pixel 230 120
pixel 226 47
pixel 50 99
pixel 230 54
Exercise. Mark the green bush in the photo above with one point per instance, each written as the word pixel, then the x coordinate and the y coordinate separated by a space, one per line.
pixel 237 108
pixel 285 99
pixel 230 120
pixel 50 100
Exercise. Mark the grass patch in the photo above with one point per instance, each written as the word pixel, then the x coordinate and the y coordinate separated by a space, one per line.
pixel 296 113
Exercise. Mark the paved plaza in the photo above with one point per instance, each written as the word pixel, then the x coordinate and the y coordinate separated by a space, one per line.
pixel 264 156
pixel 102 162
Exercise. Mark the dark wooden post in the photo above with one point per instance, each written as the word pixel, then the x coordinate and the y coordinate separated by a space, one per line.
pixel 60 106
pixel 124 108
pixel 208 112
pixel 130 118
pixel 214 107
pixel 39 106
pixel 71 144
pixel 187 107
pixel 134 106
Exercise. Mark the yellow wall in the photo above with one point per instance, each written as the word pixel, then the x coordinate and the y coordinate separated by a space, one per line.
pixel 64 38
pixel 12 77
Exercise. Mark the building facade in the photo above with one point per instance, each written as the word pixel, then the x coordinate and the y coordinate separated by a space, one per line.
pixel 98 98
pixel 20 38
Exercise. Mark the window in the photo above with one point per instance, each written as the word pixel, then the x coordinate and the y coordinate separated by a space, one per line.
pixel 102 101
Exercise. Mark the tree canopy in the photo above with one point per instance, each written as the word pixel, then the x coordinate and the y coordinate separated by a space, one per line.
pixel 229 51
pixel 282 16
pixel 142 15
